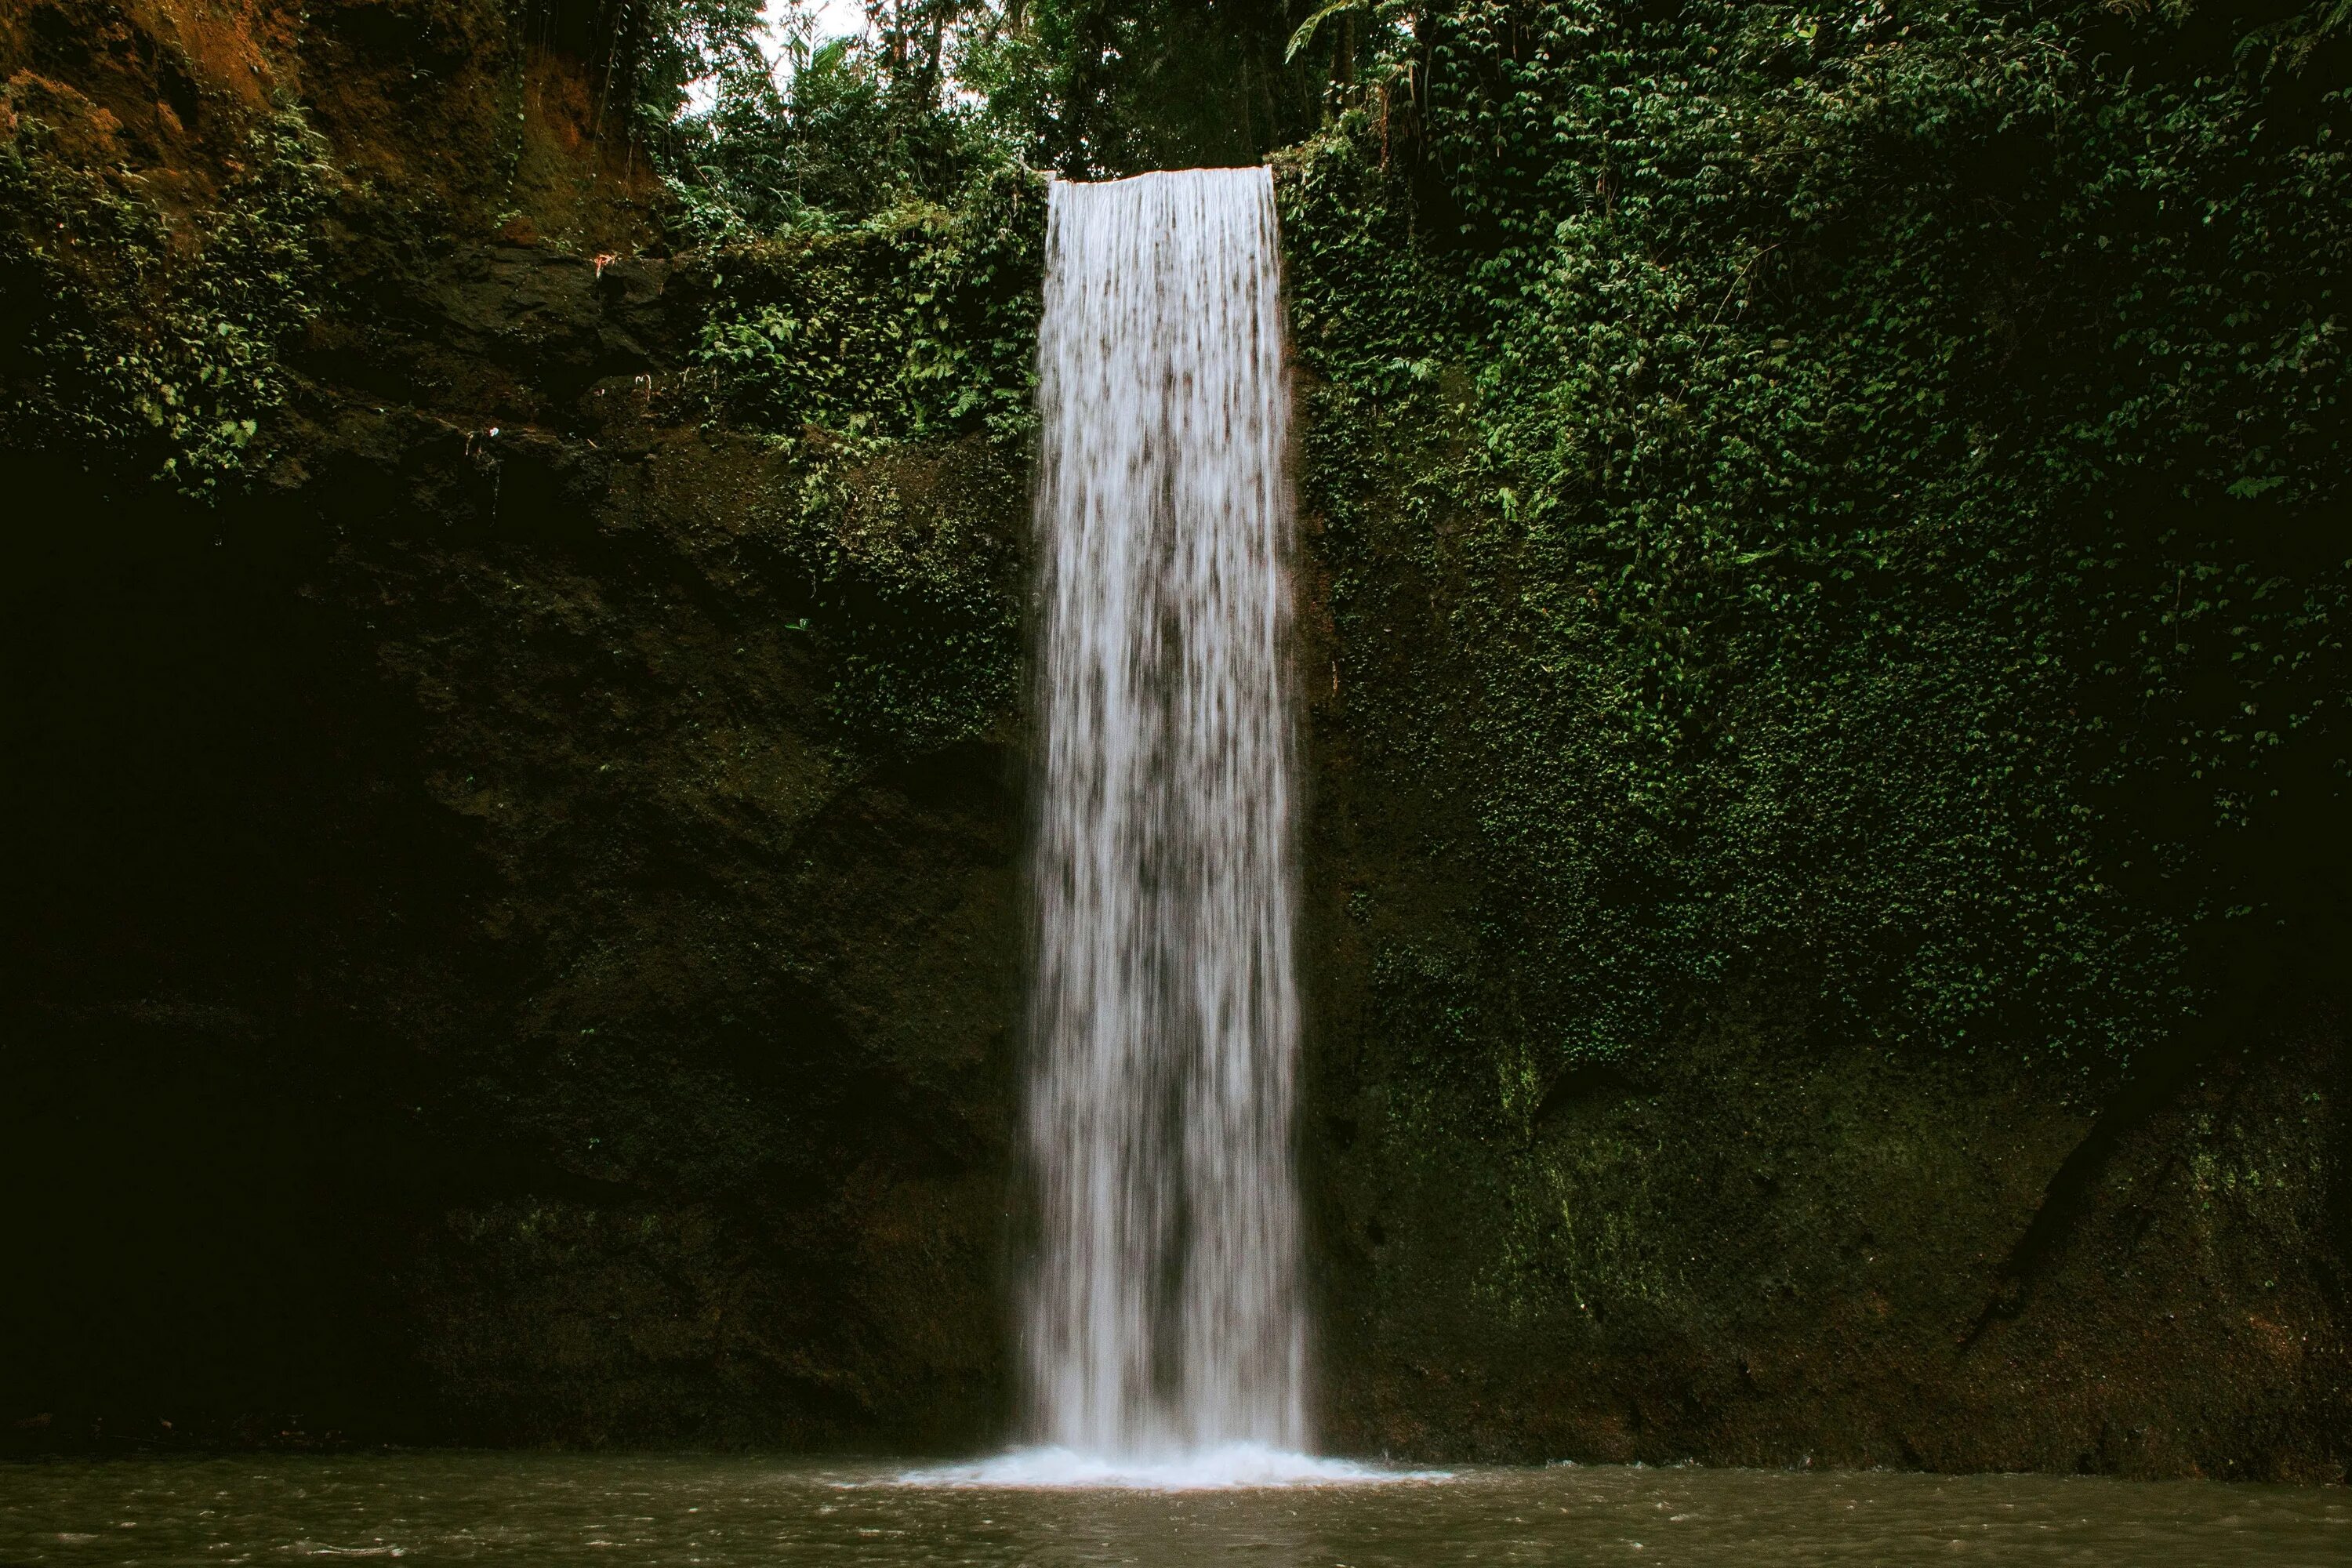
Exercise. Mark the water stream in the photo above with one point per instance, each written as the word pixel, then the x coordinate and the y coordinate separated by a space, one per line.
pixel 1161 1318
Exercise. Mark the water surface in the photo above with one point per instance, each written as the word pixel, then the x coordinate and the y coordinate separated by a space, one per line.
pixel 642 1509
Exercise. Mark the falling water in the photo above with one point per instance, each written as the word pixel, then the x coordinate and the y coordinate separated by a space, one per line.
pixel 1162 1316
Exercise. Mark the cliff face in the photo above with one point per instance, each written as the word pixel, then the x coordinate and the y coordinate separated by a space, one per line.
pixel 1757 1240
pixel 1764 1247
pixel 471 974
pixel 1794 974
pixel 461 981
pixel 1828 941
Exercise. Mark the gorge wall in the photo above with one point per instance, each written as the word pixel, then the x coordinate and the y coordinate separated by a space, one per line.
pixel 463 981
pixel 513 927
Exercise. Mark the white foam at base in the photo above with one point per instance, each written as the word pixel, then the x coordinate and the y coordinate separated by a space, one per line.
pixel 1230 1467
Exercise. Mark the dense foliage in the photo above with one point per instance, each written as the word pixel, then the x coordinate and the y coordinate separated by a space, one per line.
pixel 1869 472
pixel 800 123
pixel 1840 494
pixel 1093 88
pixel 803 131
pixel 893 356
pixel 871 256
pixel 135 346
pixel 875 233
pixel 1870 480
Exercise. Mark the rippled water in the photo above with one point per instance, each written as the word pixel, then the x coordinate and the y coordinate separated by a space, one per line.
pixel 568 1508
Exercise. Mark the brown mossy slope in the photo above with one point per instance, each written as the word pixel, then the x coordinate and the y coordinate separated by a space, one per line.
pixel 462 980
pixel 460 109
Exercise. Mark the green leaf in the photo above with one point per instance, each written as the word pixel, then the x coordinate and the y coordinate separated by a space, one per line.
pixel 1307 29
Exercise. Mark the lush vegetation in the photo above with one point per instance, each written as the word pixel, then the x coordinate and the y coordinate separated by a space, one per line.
pixel 800 124
pixel 871 218
pixel 1865 477
pixel 892 358
pixel 872 253
pixel 137 347
pixel 1866 483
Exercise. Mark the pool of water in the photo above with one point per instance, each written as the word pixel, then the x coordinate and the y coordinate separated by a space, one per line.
pixel 534 1509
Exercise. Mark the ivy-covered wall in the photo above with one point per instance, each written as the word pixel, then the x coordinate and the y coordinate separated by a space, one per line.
pixel 892 359
pixel 160 350
pixel 1876 478
pixel 1827 524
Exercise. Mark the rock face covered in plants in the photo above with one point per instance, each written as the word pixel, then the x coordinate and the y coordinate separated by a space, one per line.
pixel 1832 709
pixel 512 923
pixel 1825 708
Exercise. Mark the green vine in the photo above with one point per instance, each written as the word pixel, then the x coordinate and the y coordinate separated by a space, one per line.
pixel 1841 497
pixel 894 356
pixel 145 345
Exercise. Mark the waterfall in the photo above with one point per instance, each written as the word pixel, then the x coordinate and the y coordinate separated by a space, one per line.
pixel 1162 1312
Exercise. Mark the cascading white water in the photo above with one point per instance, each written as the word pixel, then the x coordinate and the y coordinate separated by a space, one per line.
pixel 1164 1332
pixel 1163 1314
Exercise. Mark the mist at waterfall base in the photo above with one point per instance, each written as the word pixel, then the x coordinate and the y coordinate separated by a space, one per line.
pixel 1164 1340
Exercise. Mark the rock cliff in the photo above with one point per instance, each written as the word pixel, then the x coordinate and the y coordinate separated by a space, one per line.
pixel 468 977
